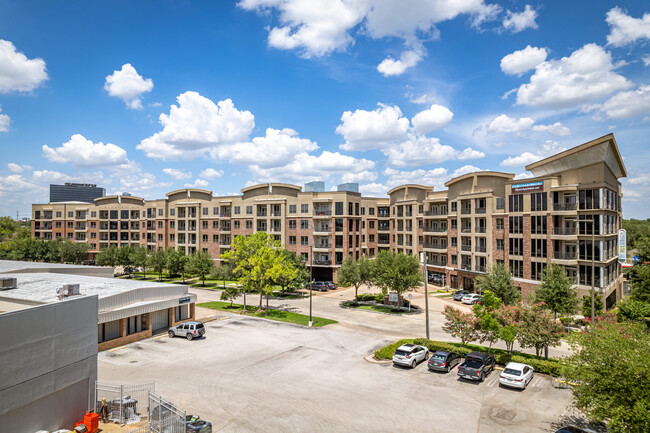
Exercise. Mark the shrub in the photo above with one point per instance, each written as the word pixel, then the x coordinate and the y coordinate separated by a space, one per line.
pixel 370 297
pixel 387 352
pixel 552 367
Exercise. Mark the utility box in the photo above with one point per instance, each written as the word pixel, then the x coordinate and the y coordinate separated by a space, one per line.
pixel 8 283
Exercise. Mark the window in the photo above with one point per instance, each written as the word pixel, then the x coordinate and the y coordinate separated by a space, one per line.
pixel 501 203
pixel 516 246
pixel 338 224
pixel 292 208
pixel 292 224
pixel 538 248
pixel 205 211
pixel 205 224
pixel 454 260
pixel 249 210
pixel 371 252
pixel 215 210
pixel 71 214
pixel 305 256
pixel 356 208
pixel 304 224
pixel 171 224
pixel 338 241
pixel 113 214
pixel 371 238
pixel 236 224
pixel 363 211
pixel 58 214
pixel 454 224
pixel 499 223
pixel 57 224
pixel 304 208
pixel 536 270
pixel 516 203
pixel 215 224
pixel 124 214
pixel 160 238
pixel 371 211
pixel 516 224
pixel 350 208
pixel 215 238
pixel 538 225
pixel 500 245
pixel 237 210
pixel 589 198
pixel 204 238
pixel 172 212
pixel 371 224
pixel 454 206
pixel 160 213
pixel 538 201
pixel 454 242
pixel 304 240
pixel 517 268
pixel 292 240
pixel 249 224
pixel 338 208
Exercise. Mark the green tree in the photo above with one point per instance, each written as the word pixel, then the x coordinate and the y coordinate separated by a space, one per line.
pixel 349 274
pixel 488 326
pixel 107 257
pixel 557 291
pixel 460 325
pixel 125 258
pixel 140 258
pixel 223 273
pixel 538 329
pixel 636 230
pixel 508 318
pixel 609 366
pixel 157 261
pixel 230 293
pixel 396 272
pixel 293 273
pixel 74 252
pixel 499 281
pixel 201 264
pixel 176 261
pixel 586 305
pixel 632 310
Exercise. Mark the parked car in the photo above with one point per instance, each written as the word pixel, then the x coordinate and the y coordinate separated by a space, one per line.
pixel 189 330
pixel 477 365
pixel 443 360
pixel 408 355
pixel 472 298
pixel 458 295
pixel 332 285
pixel 516 375
pixel 319 285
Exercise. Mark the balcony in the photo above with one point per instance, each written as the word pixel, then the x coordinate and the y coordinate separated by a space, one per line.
pixel 565 255
pixel 481 249
pixel 481 229
pixel 465 210
pixel 225 215
pixel 383 242
pixel 564 231
pixel 466 230
pixel 261 213
pixel 564 207
pixel 225 228
pixel 435 246
pixel 322 212
pixel 436 263
pixel 480 269
pixel 466 248
pixel 321 262
pixel 322 246
pixel 276 229
pixel 480 210
pixel 466 267
pixel 322 230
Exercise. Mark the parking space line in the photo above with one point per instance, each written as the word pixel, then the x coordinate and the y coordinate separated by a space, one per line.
pixel 224 318
pixel 117 348
pixel 160 336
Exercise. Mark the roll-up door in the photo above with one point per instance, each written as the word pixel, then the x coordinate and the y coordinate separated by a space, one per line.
pixel 159 319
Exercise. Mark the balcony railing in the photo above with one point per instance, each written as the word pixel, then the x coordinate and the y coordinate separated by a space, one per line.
pixel 322 212
pixel 480 210
pixel 466 230
pixel 327 245
pixel 383 242
pixel 465 210
pixel 436 263
pixel 565 255
pixel 435 246
pixel 564 231
pixel 481 229
pixel 480 269
pixel 564 206
pixel 481 249
pixel 322 262
pixel 436 213
pixel 466 267
pixel 322 229
pixel 466 248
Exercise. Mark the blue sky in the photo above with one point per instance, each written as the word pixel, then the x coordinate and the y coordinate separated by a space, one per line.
pixel 150 96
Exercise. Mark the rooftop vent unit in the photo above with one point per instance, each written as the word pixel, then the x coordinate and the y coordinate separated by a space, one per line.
pixel 8 283
pixel 67 290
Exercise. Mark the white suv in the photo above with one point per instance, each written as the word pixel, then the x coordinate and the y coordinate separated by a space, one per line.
pixel 189 330
pixel 408 355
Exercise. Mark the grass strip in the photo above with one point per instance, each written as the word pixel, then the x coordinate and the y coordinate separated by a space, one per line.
pixel 377 308
pixel 278 315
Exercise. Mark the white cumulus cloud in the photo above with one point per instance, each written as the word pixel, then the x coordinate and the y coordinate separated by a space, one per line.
pixel 628 104
pixel 556 128
pixel 519 21
pixel 409 58
pixel 177 173
pixel 82 152
pixel 365 130
pixel 625 29
pixel 17 72
pixel 547 149
pixel 128 85
pixel 587 74
pixel 17 168
pixel 470 153
pixel 506 124
pixel 211 173
pixel 419 150
pixel 277 147
pixel 4 122
pixel 360 176
pixel 196 126
pixel 198 183
pixel 521 61
pixel 435 117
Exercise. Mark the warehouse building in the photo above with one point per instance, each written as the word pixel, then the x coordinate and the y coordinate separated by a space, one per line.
pixel 127 310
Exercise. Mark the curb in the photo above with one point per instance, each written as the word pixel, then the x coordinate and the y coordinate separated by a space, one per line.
pixel 371 359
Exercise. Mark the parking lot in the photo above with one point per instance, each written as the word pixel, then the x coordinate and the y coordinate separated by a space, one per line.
pixel 251 374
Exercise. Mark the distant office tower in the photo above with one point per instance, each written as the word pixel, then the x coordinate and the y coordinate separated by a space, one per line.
pixel 84 192
pixel 348 186
pixel 315 186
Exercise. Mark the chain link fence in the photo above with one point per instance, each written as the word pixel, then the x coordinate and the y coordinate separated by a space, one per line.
pixel 164 416
pixel 125 404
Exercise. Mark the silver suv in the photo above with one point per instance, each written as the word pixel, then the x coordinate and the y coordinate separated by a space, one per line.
pixel 408 355
pixel 189 330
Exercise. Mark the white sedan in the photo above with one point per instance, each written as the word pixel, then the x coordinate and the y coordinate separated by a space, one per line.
pixel 516 375
pixel 471 298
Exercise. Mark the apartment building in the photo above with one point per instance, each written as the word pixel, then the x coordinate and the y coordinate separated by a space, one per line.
pixel 569 212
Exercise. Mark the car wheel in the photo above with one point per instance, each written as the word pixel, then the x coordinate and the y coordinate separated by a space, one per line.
pixel 171 334
pixel 414 363
pixel 189 337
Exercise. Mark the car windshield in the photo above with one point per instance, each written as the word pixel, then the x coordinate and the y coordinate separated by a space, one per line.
pixel 402 353
pixel 439 357
pixel 199 326
pixel 512 372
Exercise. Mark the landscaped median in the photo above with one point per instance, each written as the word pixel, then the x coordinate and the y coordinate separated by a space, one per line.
pixel 551 366
pixel 278 315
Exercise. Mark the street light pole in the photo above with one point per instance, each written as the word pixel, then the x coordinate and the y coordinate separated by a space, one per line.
pixel 311 281
pixel 426 293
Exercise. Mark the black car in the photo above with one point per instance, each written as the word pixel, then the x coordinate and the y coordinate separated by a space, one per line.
pixel 458 295
pixel 443 360
pixel 477 365
pixel 320 286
